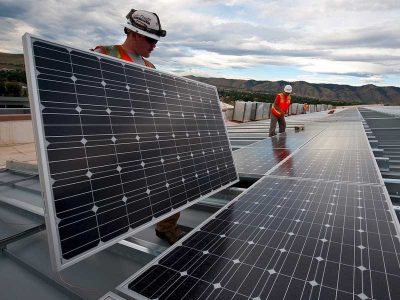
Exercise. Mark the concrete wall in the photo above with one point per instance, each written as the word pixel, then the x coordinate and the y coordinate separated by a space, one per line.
pixel 257 111
pixel 238 111
pixel 242 111
pixel 267 111
pixel 247 112
pixel 228 114
pixel 15 132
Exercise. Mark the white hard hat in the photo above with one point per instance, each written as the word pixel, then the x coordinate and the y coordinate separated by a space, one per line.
pixel 287 89
pixel 145 23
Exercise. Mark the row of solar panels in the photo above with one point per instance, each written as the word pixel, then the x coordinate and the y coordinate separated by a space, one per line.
pixel 383 131
pixel 391 110
pixel 318 226
pixel 253 111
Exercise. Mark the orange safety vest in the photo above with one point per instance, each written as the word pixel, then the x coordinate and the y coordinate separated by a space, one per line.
pixel 279 109
pixel 119 52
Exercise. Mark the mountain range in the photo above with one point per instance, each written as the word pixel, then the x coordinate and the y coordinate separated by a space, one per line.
pixel 367 94
pixel 9 61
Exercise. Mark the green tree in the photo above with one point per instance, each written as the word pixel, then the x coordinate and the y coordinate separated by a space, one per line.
pixel 13 89
pixel 230 96
pixel 13 75
pixel 2 88
pixel 17 76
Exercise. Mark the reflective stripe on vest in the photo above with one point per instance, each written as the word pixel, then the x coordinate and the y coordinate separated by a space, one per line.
pixel 119 52
pixel 122 54
pixel 276 112
pixel 282 106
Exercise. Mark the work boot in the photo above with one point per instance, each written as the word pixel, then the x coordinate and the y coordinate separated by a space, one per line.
pixel 272 134
pixel 179 233
pixel 171 237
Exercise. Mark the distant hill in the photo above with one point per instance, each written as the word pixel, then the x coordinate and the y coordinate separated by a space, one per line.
pixel 367 94
pixel 11 61
pixel 328 92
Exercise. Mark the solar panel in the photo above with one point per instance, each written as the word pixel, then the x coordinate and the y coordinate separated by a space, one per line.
pixel 347 115
pixel 120 146
pixel 288 140
pixel 284 239
pixel 341 165
pixel 257 159
pixel 255 162
pixel 352 138
pixel 345 129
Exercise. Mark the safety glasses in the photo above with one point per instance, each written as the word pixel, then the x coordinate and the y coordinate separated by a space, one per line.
pixel 150 40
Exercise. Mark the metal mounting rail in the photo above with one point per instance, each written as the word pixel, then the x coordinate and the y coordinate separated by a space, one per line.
pixel 13 182
pixel 21 235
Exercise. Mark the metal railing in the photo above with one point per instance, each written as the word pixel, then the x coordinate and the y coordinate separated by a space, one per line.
pixel 14 111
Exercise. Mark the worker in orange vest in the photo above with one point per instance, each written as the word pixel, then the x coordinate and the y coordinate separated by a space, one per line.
pixel 305 108
pixel 278 110
pixel 143 31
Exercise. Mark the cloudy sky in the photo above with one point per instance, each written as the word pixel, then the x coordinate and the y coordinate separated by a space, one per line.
pixel 329 41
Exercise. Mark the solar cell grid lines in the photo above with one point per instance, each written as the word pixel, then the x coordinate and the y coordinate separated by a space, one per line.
pixel 289 141
pixel 344 129
pixel 285 239
pixel 121 145
pixel 350 115
pixel 257 161
pixel 337 165
pixel 349 134
pixel 346 126
pixel 339 142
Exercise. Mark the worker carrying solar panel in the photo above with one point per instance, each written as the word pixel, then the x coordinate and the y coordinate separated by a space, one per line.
pixel 278 110
pixel 143 31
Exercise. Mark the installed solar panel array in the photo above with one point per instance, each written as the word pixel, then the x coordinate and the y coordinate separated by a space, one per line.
pixel 340 165
pixel 286 237
pixel 258 158
pixel 256 161
pixel 120 145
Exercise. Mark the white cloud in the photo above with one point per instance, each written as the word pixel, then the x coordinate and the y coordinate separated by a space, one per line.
pixel 375 79
pixel 318 78
pixel 11 31
pixel 345 39
pixel 353 68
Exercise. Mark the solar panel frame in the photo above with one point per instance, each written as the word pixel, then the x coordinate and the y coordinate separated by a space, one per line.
pixel 111 296
pixel 58 262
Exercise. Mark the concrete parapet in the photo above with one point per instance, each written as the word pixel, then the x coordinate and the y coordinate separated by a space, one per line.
pixel 15 129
